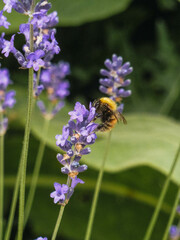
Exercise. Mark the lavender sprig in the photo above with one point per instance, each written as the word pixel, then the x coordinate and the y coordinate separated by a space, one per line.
pixel 53 80
pixel 75 137
pixel 114 82
pixel 113 85
pixel 44 46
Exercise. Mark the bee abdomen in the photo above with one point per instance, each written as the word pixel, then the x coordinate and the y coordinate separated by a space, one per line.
pixel 107 125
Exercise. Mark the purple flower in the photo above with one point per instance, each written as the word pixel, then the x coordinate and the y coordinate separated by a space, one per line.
pixel 59 193
pixel 3 20
pixel 8 5
pixel 41 238
pixel 35 60
pixel 57 88
pixel 4 79
pixel 114 80
pixel 44 43
pixel 9 46
pixel 75 181
pixel 79 112
pixel 76 135
pixel 22 6
pixel 174 233
pixel 3 126
pixel 9 100
pixel 2 40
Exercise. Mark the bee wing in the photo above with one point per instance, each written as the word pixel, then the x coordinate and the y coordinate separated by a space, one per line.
pixel 121 117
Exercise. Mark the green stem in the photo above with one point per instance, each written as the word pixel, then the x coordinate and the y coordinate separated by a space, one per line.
pixel 173 213
pixel 58 222
pixel 1 178
pixel 36 171
pixel 13 204
pixel 161 198
pixel 26 139
pixel 97 190
pixel 61 211
pixel 24 156
pixel 16 188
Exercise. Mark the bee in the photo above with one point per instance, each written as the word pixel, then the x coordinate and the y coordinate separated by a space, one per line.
pixel 106 110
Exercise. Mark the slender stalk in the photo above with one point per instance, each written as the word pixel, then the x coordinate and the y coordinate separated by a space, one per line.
pixel 161 198
pixel 173 213
pixel 97 190
pixel 26 138
pixel 13 204
pixel 36 171
pixel 58 222
pixel 16 188
pixel 24 156
pixel 1 179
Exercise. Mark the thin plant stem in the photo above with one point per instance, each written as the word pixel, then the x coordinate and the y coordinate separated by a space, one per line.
pixel 1 179
pixel 61 211
pixel 173 213
pixel 58 222
pixel 13 204
pixel 36 171
pixel 16 188
pixel 26 139
pixel 97 190
pixel 24 157
pixel 161 198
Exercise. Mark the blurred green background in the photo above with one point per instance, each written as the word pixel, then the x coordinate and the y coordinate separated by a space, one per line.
pixel 146 33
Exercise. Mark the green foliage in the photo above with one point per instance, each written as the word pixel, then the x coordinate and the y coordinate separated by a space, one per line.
pixel 146 33
pixel 146 140
pixel 73 13
pixel 123 198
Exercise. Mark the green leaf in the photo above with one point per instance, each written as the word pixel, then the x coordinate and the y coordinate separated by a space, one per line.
pixel 128 198
pixel 75 12
pixel 146 140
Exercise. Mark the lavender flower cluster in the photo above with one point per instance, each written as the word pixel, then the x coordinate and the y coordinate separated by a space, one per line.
pixel 76 135
pixel 44 42
pixel 53 80
pixel 114 81
pixel 7 99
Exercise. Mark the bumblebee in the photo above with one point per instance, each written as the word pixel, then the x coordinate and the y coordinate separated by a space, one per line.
pixel 106 110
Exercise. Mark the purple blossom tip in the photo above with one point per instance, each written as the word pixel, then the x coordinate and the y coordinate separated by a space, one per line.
pixel 41 238
pixel 59 193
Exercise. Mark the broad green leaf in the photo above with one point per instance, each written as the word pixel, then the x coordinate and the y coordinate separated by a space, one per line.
pixel 146 140
pixel 128 197
pixel 75 12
